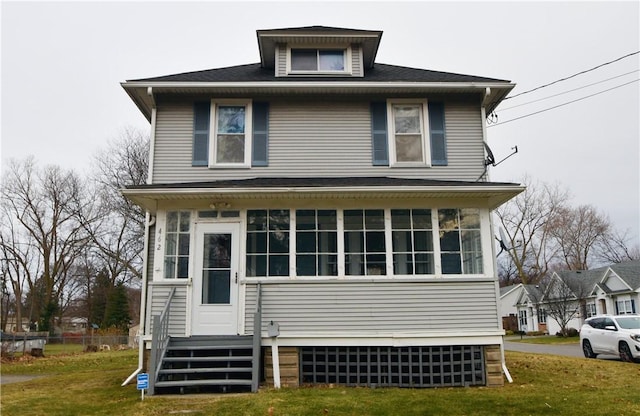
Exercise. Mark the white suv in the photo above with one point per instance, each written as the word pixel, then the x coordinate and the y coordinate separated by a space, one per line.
pixel 612 334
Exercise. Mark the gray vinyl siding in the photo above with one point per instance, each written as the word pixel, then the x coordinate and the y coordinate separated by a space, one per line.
pixel 364 307
pixel 150 252
pixel 313 138
pixel 158 295
pixel 281 60
pixel 356 62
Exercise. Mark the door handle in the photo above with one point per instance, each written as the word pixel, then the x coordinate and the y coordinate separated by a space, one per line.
pixel 236 277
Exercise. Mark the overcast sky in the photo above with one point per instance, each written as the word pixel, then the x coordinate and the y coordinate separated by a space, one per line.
pixel 62 64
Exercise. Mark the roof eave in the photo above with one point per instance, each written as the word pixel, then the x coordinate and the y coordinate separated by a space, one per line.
pixel 139 91
pixel 493 196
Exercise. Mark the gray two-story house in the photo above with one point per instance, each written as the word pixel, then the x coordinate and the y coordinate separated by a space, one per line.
pixel 318 218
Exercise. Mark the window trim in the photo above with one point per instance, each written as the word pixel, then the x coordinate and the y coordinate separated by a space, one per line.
pixel 248 132
pixel 347 53
pixel 424 130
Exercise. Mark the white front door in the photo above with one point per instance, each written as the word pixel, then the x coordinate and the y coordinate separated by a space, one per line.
pixel 215 282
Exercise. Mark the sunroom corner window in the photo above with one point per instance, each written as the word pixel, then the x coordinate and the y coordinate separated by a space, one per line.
pixel 176 249
pixel 460 241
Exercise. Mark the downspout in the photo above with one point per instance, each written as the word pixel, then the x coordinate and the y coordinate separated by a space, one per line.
pixel 493 246
pixel 150 222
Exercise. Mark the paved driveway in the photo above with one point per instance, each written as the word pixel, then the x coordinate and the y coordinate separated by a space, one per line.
pixel 567 350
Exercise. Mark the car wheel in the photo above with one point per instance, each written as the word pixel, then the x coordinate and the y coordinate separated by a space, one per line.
pixel 587 350
pixel 625 352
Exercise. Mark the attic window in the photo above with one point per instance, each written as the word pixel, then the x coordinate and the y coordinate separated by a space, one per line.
pixel 318 60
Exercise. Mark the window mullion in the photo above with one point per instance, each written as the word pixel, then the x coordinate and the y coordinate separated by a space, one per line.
pixel 388 241
pixel 340 242
pixel 293 255
pixel 437 257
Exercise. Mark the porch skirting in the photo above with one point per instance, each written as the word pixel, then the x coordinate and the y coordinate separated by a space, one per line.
pixel 386 366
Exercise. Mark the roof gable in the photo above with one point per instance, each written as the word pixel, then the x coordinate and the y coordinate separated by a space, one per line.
pixel 268 39
pixel 623 276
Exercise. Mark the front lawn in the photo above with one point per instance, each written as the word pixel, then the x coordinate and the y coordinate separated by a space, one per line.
pixel 89 384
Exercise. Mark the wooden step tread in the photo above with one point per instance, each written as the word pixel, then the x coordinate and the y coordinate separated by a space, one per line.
pixel 201 359
pixel 185 383
pixel 187 347
pixel 205 370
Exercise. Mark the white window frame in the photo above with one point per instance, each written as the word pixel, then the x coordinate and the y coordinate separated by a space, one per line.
pixel 624 306
pixel 390 275
pixel 347 60
pixel 424 127
pixel 248 132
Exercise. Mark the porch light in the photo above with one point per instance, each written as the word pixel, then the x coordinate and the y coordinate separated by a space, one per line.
pixel 219 205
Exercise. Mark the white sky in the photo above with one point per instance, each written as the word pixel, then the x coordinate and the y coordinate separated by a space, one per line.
pixel 61 65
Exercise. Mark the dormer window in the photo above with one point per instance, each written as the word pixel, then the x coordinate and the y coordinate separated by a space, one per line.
pixel 318 61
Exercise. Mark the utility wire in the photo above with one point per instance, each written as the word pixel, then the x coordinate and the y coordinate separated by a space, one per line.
pixel 563 104
pixel 574 75
pixel 566 92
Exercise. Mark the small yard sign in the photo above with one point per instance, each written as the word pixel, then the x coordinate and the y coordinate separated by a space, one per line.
pixel 143 382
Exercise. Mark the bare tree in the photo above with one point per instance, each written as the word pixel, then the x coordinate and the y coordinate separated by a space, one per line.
pixel 526 220
pixel 42 206
pixel 563 295
pixel 119 234
pixel 616 247
pixel 576 232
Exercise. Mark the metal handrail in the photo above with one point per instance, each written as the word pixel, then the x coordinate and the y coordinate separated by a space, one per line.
pixel 159 341
pixel 257 341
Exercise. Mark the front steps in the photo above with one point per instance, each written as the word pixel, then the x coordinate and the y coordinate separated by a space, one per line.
pixel 206 364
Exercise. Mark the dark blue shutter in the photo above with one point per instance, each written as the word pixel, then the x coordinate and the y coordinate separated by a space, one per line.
pixel 379 142
pixel 436 133
pixel 201 115
pixel 260 145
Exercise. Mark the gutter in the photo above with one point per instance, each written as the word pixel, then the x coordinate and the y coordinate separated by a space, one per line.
pixel 150 221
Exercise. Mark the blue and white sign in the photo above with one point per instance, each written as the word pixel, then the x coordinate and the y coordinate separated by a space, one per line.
pixel 143 381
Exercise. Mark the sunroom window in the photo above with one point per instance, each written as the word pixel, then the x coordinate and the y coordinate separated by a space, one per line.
pixel 176 249
pixel 412 238
pixel 364 242
pixel 460 241
pixel 268 242
pixel 316 243
pixel 318 60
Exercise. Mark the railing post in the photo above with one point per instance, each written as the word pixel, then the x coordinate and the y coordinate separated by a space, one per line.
pixel 154 354
pixel 257 340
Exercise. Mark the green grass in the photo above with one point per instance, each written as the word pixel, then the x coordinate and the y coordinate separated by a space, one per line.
pixel 89 384
pixel 547 339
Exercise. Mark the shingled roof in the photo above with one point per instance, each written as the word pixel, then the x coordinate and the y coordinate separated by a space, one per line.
pixel 256 73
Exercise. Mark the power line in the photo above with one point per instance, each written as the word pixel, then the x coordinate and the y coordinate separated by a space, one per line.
pixel 566 92
pixel 563 104
pixel 574 75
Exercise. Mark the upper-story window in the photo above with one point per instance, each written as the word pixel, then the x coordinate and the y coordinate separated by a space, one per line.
pixel 319 60
pixel 231 146
pixel 408 132
pixel 230 133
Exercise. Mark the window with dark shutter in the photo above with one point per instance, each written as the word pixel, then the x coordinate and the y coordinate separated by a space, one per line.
pixel 201 114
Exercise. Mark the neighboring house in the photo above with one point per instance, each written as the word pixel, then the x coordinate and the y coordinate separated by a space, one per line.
pixel 574 296
pixel 334 207
pixel 509 295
